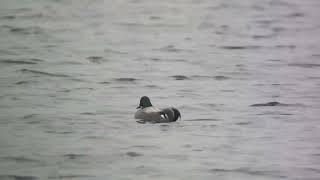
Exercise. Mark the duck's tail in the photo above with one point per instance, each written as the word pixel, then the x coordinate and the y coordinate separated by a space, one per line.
pixel 170 114
pixel 176 114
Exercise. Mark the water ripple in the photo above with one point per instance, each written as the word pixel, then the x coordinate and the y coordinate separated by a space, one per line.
pixel 267 173
pixel 43 73
pixel 126 79
pixel 17 177
pixel 240 47
pixel 180 77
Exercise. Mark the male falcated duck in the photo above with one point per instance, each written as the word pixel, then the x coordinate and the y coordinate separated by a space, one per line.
pixel 149 113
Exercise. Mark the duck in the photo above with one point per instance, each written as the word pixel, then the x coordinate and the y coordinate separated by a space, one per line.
pixel 149 113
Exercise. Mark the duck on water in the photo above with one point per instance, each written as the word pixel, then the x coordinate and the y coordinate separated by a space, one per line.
pixel 148 113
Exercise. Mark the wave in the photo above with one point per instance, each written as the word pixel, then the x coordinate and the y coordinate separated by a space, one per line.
pixel 180 77
pixel 17 62
pixel 240 47
pixel 305 65
pixel 17 177
pixel 125 79
pixel 250 172
pixel 43 73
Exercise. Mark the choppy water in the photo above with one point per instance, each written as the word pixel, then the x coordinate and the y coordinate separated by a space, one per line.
pixel 244 74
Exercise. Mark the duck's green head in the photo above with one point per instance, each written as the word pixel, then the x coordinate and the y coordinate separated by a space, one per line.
pixel 144 102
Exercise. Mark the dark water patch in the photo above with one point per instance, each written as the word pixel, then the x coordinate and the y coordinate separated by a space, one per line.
pixel 265 22
pixel 171 48
pixel 179 157
pixel 187 146
pixel 316 55
pixel 33 15
pixel 164 127
pixel 275 113
pixel 201 77
pixel 96 59
pixel 240 47
pixel 305 65
pixel 203 119
pixel 258 7
pixel 285 114
pixel 221 77
pixel 259 84
pixel 104 82
pixel 21 159
pixel 278 29
pixel 17 177
pixel 295 15
pixel 149 25
pixel 209 104
pixel 262 36
pixel 152 86
pixel 154 18
pixel 35 60
pixel 156 59
pixel 282 4
pixel 144 147
pixel 228 90
pixel 206 25
pixel 168 60
pixel 88 113
pixel 16 62
pixel 33 122
pixel 26 30
pixel 273 103
pixel 312 169
pixel 24 82
pixel 313 77
pixel 286 46
pixel 133 154
pixel 7 52
pixel 119 87
pixel 197 150
pixel 83 88
pixel 209 77
pixel 248 171
pixel 9 17
pixel 240 65
pixel 126 79
pixel 43 73
pixel 243 123
pixel 65 90
pixel 94 137
pixel 59 132
pixel 114 51
pixel 180 77
pixel 74 156
pixel 274 60
pixel 79 80
pixel 71 62
pixel 28 116
pixel 70 176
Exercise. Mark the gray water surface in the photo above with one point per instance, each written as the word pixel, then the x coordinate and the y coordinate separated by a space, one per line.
pixel 72 73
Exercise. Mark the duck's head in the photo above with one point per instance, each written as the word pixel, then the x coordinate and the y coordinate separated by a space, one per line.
pixel 144 102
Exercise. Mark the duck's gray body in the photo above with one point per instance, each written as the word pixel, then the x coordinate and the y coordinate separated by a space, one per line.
pixel 149 113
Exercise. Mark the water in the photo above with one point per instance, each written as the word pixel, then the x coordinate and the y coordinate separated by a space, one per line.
pixel 245 76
